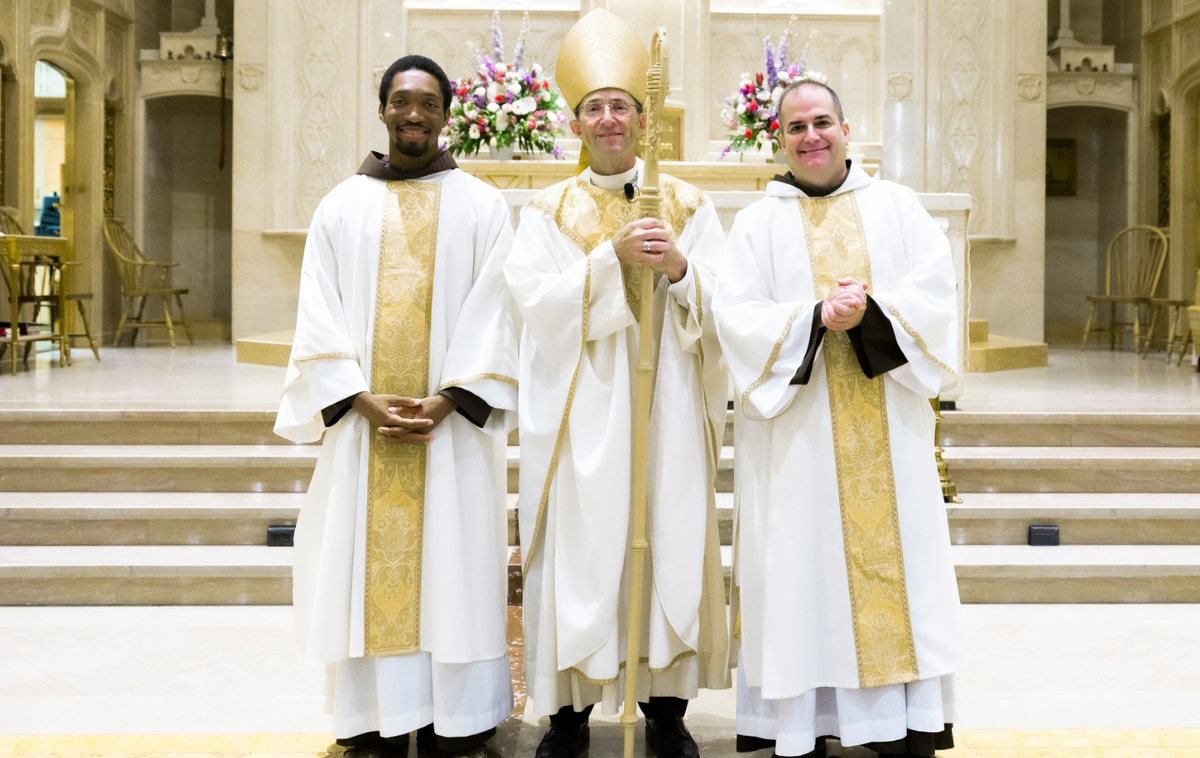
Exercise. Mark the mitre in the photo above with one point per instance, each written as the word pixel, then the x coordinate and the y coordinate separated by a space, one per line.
pixel 601 51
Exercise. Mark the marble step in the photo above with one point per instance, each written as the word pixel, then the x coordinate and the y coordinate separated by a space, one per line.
pixel 145 575
pixel 170 427
pixel 965 428
pixel 144 518
pixel 144 427
pixel 1075 469
pixel 242 518
pixel 1092 518
pixel 224 575
pixel 999 353
pixel 156 468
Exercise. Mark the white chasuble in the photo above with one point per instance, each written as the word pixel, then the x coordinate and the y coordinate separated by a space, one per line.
pixel 401 550
pixel 843 571
pixel 579 347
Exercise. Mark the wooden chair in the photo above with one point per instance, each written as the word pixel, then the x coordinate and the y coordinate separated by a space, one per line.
pixel 1133 264
pixel 1176 310
pixel 142 279
pixel 40 280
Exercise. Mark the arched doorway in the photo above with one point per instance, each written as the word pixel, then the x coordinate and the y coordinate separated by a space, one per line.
pixel 1088 197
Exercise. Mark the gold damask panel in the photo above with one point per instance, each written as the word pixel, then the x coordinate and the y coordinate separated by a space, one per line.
pixel 399 366
pixel 883 638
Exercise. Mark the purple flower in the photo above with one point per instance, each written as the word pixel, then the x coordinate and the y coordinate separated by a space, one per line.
pixel 519 53
pixel 772 76
pixel 782 52
pixel 497 38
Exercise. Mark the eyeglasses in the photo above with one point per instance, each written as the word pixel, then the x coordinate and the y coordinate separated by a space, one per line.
pixel 595 109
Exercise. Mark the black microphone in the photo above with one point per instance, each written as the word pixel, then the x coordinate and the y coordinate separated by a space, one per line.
pixel 630 191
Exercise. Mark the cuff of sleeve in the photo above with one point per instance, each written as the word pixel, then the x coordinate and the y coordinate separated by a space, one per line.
pixel 815 335
pixel 333 413
pixel 683 288
pixel 472 407
pixel 875 343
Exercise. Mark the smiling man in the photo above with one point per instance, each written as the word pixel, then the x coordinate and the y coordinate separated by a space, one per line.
pixel 837 313
pixel 574 273
pixel 404 358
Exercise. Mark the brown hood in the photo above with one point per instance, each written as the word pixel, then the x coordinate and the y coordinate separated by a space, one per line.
pixel 376 166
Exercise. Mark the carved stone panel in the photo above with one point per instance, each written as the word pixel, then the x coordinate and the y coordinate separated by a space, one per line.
pixel 965 109
pixel 1104 90
pixel 320 123
pixel 46 13
pixel 250 76
pixel 900 85
pixel 1189 42
pixel 1029 87
pixel 83 28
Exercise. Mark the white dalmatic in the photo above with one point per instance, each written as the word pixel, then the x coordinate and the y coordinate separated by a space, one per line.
pixel 441 240
pixel 579 348
pixel 843 570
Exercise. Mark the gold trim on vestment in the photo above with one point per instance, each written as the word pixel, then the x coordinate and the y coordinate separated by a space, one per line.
pixel 478 378
pixel 321 357
pixel 589 216
pixel 883 638
pixel 916 337
pixel 787 327
pixel 712 433
pixel 399 366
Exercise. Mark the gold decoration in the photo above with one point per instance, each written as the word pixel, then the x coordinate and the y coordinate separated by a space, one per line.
pixel 883 639
pixel 399 366
pixel 590 216
pixel 600 51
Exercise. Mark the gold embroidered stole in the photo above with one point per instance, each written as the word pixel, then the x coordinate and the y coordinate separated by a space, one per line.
pixel 883 639
pixel 399 366
pixel 589 216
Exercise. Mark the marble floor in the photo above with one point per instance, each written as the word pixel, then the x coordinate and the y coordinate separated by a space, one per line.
pixel 1043 680
pixel 206 377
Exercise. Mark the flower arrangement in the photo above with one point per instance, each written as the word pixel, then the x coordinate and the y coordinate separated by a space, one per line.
pixel 751 112
pixel 505 104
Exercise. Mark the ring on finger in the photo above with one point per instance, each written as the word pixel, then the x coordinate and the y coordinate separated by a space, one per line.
pixel 646 246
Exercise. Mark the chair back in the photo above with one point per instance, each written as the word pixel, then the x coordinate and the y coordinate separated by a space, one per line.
pixel 1135 261
pixel 126 254
pixel 9 223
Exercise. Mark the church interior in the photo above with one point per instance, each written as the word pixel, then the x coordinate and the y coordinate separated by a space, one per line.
pixel 160 161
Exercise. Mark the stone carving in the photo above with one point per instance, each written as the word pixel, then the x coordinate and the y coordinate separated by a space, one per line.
pixel 83 28
pixel 1115 90
pixel 177 78
pixel 46 12
pixel 900 85
pixel 319 124
pixel 965 114
pixel 250 76
pixel 1189 48
pixel 377 77
pixel 1029 87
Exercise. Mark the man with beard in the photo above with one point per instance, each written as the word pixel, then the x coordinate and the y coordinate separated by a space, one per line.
pixel 837 311
pixel 402 360
pixel 579 253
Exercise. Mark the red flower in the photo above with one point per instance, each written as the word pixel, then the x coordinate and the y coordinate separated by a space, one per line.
pixel 482 122
pixel 752 106
pixel 462 91
pixel 774 125
pixel 531 124
pixel 749 134
pixel 759 78
pixel 546 84
pixel 499 98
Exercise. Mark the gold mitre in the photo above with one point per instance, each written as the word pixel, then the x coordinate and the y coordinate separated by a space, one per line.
pixel 601 51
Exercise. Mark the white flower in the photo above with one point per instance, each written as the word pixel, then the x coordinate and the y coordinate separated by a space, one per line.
pixel 514 89
pixel 745 77
pixel 764 114
pixel 493 107
pixel 473 132
pixel 502 120
pixel 761 138
pixel 502 67
pixel 776 94
pixel 479 92
pixel 472 114
pixel 741 106
pixel 524 105
pixel 537 68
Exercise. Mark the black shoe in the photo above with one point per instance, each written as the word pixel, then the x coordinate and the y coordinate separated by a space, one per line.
pixel 670 738
pixel 373 746
pixel 564 741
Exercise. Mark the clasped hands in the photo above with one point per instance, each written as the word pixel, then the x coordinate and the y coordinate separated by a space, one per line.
pixel 844 309
pixel 648 241
pixel 403 419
